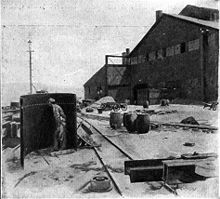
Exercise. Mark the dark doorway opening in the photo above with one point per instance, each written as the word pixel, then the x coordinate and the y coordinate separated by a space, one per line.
pixel 140 93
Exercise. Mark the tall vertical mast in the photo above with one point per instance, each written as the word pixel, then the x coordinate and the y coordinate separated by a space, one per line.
pixel 30 64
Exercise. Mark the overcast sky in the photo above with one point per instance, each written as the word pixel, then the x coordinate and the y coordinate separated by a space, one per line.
pixel 71 37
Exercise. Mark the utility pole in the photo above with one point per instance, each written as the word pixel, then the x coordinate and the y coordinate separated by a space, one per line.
pixel 30 64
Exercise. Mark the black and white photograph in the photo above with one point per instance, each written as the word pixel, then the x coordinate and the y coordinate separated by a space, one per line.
pixel 109 99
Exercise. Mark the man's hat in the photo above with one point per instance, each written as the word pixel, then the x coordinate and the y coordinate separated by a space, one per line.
pixel 51 100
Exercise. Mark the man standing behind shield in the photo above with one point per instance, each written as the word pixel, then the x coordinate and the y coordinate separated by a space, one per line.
pixel 59 137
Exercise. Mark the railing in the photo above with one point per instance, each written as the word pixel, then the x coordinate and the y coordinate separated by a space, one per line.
pixel 117 60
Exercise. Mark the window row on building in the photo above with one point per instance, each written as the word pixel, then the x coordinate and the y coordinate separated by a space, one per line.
pixel 166 52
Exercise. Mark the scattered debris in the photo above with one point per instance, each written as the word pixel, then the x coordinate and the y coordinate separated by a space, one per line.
pixel 113 106
pixel 103 100
pixel 189 120
pixel 84 134
pixel 62 152
pixel 87 166
pixel 154 126
pixel 196 155
pixel 89 110
pixel 87 102
pixel 195 129
pixel 116 170
pixel 16 118
pixel 25 176
pixel 189 144
pixel 149 111
pixel 157 112
pixel 83 186
pixel 39 153
pixel 208 131
pixel 212 105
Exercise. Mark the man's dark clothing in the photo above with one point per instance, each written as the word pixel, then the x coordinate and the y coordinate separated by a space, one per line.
pixel 60 131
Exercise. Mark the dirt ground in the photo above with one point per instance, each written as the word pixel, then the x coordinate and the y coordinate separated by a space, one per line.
pixel 67 175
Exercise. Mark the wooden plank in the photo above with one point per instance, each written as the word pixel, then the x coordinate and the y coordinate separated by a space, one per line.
pixel 186 125
pixel 95 116
pixel 142 164
pixel 198 155
pixel 171 169
pixel 86 137
pixel 109 133
pixel 62 152
pixel 183 162
pixel 5 124
pixel 144 174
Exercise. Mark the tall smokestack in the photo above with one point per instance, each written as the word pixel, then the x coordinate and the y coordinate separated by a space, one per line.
pixel 159 13
pixel 127 51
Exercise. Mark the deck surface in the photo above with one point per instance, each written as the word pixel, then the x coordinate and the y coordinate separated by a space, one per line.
pixel 67 175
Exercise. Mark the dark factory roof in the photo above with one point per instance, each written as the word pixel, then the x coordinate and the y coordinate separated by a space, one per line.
pixel 199 22
pixel 200 12
pixel 97 72
pixel 210 24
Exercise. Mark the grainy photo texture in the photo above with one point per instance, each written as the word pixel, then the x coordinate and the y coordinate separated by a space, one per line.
pixel 109 98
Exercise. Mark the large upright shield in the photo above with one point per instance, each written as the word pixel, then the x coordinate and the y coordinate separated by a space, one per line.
pixel 38 124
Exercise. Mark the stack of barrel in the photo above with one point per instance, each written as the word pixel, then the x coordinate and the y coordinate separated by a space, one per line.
pixel 132 121
pixel 11 129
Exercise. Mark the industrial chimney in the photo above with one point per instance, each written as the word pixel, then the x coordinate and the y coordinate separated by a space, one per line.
pixel 159 13
pixel 127 51
pixel 125 60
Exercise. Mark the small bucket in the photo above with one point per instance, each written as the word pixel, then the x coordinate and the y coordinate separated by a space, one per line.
pixel 100 110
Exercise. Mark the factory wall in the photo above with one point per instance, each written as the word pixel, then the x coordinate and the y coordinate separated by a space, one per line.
pixel 211 72
pixel 175 55
pixel 118 80
pixel 96 83
pixel 171 54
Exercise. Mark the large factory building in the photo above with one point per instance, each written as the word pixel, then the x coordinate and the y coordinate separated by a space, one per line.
pixel 177 58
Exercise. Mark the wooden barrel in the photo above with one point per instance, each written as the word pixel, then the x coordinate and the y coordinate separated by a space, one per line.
pixel 164 102
pixel 14 129
pixel 8 129
pixel 124 118
pixel 142 123
pixel 129 120
pixel 116 120
pixel 146 104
